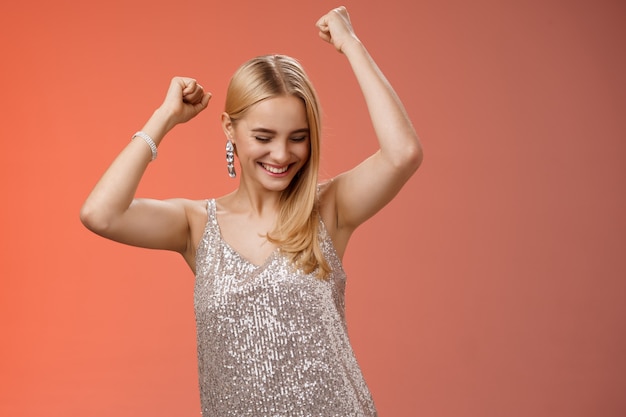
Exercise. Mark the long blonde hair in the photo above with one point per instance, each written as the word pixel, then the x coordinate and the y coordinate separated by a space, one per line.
pixel 296 231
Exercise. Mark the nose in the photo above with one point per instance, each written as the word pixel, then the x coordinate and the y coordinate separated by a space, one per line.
pixel 280 152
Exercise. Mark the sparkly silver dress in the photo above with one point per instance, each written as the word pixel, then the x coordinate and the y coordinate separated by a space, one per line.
pixel 273 341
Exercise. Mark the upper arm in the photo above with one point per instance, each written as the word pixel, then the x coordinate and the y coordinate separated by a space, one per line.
pixel 363 191
pixel 148 223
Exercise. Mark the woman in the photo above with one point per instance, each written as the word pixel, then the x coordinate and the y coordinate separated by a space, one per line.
pixel 269 293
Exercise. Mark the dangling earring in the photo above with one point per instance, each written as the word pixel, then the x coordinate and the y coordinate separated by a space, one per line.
pixel 230 159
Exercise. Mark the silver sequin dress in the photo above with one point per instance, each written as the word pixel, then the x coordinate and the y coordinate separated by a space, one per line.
pixel 273 341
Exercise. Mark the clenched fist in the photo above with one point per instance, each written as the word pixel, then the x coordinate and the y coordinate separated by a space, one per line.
pixel 185 99
pixel 335 28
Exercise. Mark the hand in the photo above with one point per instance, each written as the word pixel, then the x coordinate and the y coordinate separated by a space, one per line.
pixel 336 29
pixel 185 99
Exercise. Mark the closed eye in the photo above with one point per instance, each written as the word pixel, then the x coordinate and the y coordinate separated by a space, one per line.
pixel 262 138
pixel 299 139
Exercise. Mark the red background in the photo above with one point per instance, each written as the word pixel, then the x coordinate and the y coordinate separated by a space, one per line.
pixel 494 285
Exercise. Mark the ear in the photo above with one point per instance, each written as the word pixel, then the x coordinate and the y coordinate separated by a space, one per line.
pixel 227 126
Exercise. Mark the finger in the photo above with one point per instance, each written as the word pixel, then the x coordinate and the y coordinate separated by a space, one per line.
pixel 325 36
pixel 196 91
pixel 321 21
pixel 195 97
pixel 202 103
pixel 205 100
pixel 190 86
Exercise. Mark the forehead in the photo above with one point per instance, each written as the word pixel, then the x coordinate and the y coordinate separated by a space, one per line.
pixel 281 113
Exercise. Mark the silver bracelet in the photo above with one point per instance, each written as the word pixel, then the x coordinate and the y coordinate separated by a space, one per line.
pixel 149 141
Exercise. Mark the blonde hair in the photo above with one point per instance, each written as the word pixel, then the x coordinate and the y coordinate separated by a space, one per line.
pixel 296 231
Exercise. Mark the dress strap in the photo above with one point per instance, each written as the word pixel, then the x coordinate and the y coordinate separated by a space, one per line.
pixel 211 212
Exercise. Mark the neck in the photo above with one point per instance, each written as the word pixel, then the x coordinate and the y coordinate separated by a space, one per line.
pixel 255 202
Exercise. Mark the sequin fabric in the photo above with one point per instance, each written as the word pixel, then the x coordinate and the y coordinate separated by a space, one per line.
pixel 273 341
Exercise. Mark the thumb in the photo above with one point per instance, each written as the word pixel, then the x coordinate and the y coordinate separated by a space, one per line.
pixel 205 99
pixel 203 103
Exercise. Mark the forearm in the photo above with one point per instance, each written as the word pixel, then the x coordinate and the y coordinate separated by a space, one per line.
pixel 115 190
pixel 397 138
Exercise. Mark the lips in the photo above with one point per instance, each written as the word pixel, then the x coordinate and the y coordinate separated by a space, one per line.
pixel 275 169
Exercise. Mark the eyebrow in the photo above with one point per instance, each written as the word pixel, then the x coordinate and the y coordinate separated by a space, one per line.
pixel 270 131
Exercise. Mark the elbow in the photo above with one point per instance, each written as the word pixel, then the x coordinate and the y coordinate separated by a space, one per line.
pixel 405 160
pixel 93 219
pixel 415 157
pixel 411 158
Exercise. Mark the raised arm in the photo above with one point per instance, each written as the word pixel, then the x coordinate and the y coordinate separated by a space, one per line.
pixel 361 192
pixel 111 209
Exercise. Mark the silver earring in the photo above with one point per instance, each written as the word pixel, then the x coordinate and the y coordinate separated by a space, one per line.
pixel 230 159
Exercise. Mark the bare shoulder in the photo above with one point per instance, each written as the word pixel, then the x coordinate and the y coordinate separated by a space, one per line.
pixel 196 211
pixel 193 207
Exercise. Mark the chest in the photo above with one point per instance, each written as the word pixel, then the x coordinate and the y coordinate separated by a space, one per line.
pixel 247 237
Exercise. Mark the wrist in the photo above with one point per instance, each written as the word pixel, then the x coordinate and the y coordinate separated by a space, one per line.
pixel 352 45
pixel 146 138
pixel 165 119
pixel 159 124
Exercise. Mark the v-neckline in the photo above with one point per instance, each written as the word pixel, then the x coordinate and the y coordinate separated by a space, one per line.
pixel 234 251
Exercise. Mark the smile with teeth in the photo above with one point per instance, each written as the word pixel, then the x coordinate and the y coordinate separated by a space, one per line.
pixel 275 170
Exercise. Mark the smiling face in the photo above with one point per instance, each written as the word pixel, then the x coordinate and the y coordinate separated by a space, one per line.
pixel 272 141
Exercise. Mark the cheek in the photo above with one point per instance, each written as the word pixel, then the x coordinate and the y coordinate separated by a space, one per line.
pixel 305 151
pixel 245 150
